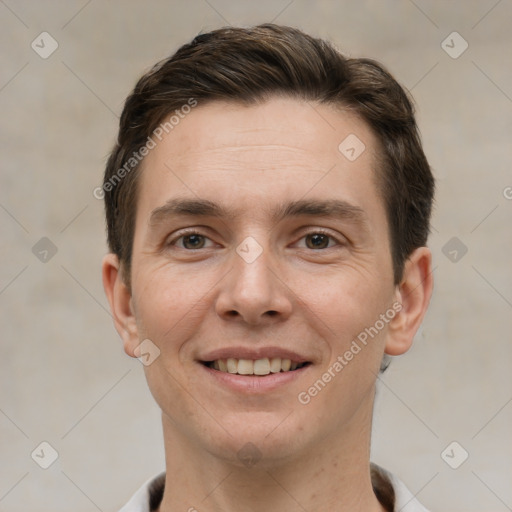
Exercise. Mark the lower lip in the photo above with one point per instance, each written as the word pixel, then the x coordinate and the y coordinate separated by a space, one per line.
pixel 254 383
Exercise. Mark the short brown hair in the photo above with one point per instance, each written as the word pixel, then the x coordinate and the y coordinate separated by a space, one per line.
pixel 248 65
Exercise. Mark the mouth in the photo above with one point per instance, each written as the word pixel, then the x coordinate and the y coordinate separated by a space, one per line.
pixel 255 367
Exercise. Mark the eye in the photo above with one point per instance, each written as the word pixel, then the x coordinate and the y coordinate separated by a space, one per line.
pixel 319 240
pixel 190 240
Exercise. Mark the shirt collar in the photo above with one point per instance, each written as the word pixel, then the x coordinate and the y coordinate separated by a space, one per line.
pixel 149 496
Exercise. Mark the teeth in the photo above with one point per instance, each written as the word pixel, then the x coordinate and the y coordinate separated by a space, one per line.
pixel 258 367
pixel 232 365
pixel 275 365
pixel 261 367
pixel 245 367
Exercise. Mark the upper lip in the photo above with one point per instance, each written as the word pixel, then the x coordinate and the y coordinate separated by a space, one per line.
pixel 254 354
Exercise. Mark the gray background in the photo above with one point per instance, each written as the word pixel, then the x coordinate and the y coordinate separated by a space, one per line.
pixel 64 377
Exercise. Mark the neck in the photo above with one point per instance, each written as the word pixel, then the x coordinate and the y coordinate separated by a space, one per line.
pixel 334 475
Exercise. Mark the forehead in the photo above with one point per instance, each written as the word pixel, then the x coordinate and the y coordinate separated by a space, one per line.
pixel 282 145
pixel 301 127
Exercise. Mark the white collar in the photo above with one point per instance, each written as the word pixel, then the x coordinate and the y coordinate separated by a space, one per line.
pixel 405 501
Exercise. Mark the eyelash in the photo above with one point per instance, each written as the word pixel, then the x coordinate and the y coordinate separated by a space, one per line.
pixel 195 232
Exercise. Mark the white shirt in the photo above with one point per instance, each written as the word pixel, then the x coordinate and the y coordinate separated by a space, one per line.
pixel 140 501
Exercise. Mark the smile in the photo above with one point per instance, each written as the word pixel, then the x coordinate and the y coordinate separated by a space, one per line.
pixel 261 367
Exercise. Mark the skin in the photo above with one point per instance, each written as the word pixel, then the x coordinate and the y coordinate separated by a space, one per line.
pixel 311 298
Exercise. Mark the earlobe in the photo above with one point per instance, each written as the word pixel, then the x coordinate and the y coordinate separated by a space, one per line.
pixel 121 304
pixel 414 294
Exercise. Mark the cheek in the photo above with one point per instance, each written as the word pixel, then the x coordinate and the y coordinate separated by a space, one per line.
pixel 165 305
pixel 348 322
pixel 349 302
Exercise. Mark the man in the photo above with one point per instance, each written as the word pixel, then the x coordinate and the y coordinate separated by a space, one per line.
pixel 268 204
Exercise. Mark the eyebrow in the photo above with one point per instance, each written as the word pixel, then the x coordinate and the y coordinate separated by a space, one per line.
pixel 334 208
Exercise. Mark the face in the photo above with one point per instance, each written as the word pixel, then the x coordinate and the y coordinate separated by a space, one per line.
pixel 261 256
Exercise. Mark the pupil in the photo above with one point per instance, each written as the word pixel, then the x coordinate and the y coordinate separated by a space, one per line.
pixel 317 240
pixel 192 240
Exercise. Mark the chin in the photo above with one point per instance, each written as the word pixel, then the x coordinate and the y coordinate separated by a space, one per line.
pixel 258 439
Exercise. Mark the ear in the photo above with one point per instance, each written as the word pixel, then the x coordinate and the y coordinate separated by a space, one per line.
pixel 414 294
pixel 120 300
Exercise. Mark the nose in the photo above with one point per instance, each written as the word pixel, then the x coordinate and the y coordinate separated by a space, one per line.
pixel 253 290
